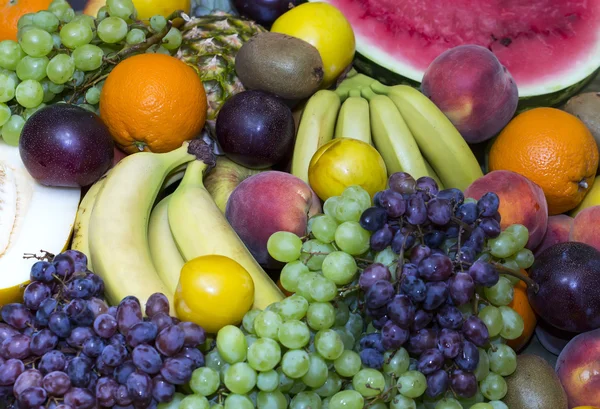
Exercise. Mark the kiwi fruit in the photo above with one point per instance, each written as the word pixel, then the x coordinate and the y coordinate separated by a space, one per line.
pixel 534 385
pixel 280 64
pixel 586 107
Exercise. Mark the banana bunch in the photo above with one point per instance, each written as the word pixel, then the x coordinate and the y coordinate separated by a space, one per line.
pixel 139 248
pixel 409 131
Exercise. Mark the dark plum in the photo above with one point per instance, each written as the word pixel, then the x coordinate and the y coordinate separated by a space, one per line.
pixel 264 12
pixel 65 145
pixel 255 129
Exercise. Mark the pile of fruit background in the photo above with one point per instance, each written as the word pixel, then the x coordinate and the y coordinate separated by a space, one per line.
pixel 283 204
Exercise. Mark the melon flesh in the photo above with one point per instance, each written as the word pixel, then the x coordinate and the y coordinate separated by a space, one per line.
pixel 547 45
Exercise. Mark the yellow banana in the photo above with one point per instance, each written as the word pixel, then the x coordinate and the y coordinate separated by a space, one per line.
pixel 81 229
pixel 434 175
pixel 439 141
pixel 353 120
pixel 163 249
pixel 118 236
pixel 316 129
pixel 201 229
pixel 392 137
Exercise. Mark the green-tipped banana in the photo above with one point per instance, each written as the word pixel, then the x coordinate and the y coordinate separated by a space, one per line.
pixel 353 120
pixel 118 236
pixel 392 137
pixel 356 82
pixel 439 141
pixel 316 128
pixel 165 254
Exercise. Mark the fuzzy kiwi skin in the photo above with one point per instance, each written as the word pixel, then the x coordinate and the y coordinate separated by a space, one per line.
pixel 586 107
pixel 280 64
pixel 534 385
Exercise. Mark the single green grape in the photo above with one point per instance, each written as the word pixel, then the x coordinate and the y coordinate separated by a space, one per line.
pixel 25 20
pixel 293 307
pixel 396 363
pixel 520 234
pixel 11 130
pixel 513 323
pixel 368 382
pixel 60 69
pixel 501 293
pixel 232 344
pixel 30 111
pixel 158 23
pixel 295 363
pixel 85 19
pixel 332 385
pixel 10 54
pixel 111 30
pixel 339 267
pixel 496 404
pixel 173 39
pixel 313 253
pixel 294 334
pixel 348 210
pixel 205 381
pixel 240 378
pixel 75 34
pixel 320 315
pixel 266 324
pixel 135 36
pixel 355 325
pixel 387 257
pixel 503 360
pixel 30 68
pixel 214 360
pixel 493 386
pixel 88 57
pixel 36 42
pixel 264 354
pixel 271 400
pixel 412 384
pixel 305 285
pixel 305 400
pixel 492 318
pixel 524 258
pixel 348 364
pixel 29 93
pixel 268 381
pixel 347 400
pixel 482 405
pixel 194 402
pixel 323 289
pixel 352 238
pixel 448 403
pixel 46 21
pixel 323 228
pixel 317 372
pixel 92 95
pixel 329 344
pixel 503 246
pixel 347 339
pixel 121 8
pixel 173 404
pixel 402 402
pixel 342 313
pixel 329 206
pixel 284 246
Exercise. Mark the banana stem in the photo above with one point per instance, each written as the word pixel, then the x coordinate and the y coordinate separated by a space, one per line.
pixel 380 88
pixel 368 93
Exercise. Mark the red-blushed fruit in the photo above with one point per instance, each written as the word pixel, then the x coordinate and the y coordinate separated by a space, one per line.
pixel 66 146
pixel 521 202
pixel 578 368
pixel 586 227
pixel 559 227
pixel 473 89
pixel 568 276
pixel 266 203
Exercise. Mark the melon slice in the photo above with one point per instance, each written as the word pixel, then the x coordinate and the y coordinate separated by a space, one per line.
pixel 549 46
pixel 33 217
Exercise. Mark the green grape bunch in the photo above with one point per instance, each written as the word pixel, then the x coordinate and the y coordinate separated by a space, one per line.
pixel 64 57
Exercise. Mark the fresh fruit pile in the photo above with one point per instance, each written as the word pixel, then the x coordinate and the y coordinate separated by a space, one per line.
pixel 65 344
pixel 60 56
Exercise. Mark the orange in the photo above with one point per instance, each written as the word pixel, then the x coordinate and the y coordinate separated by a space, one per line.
pixel 520 304
pixel 153 102
pixel 12 10
pixel 553 149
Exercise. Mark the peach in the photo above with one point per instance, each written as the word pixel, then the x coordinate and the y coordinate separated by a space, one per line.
pixel 578 368
pixel 266 203
pixel 559 227
pixel 586 227
pixel 521 201
pixel 473 89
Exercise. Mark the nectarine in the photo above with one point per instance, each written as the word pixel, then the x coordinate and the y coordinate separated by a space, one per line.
pixel 586 227
pixel 559 227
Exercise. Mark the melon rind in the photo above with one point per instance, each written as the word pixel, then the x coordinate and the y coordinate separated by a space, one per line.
pixel 375 62
pixel 45 222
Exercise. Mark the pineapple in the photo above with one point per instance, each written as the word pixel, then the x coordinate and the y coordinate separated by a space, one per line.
pixel 209 45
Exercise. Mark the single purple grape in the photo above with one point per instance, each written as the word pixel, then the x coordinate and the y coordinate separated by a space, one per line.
pixel 435 296
pixel 402 182
pixel 157 302
pixel 436 267
pixel 461 288
pixel 449 343
pixel 16 315
pixel 422 320
pixel 484 273
pixel 371 358
pixel 421 341
pixel 372 340
pixel 437 383
pixel 488 204
pixel 468 357
pixel 381 238
pixel 475 330
pixel 416 211
pixel 392 336
pixel 463 384
pixel 430 361
pixel 380 293
pixel 401 310
pixel 448 316
pixel 374 218
pixel 439 211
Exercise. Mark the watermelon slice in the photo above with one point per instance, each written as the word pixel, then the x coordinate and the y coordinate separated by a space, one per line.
pixel 550 46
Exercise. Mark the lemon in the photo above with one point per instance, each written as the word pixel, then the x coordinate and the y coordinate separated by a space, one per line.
pixel 145 8
pixel 345 162
pixel 326 28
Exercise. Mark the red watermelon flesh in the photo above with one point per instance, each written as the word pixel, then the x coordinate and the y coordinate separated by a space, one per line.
pixel 547 45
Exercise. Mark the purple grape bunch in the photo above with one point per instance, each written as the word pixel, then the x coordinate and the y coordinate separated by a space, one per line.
pixel 65 348
pixel 438 238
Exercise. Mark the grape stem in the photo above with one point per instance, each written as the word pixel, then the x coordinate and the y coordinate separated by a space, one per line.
pixel 46 255
pixel 530 283
pixel 461 223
